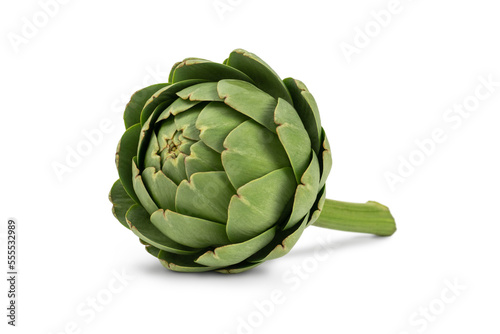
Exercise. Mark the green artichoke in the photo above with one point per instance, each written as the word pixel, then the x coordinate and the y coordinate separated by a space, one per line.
pixel 223 167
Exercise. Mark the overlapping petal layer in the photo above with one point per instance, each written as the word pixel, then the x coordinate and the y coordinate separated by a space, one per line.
pixel 223 167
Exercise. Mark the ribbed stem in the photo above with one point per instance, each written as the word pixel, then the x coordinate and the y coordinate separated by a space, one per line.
pixel 370 217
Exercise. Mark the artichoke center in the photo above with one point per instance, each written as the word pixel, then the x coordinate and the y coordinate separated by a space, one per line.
pixel 169 147
pixel 173 144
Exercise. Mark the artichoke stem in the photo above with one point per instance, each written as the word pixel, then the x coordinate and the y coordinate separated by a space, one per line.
pixel 370 217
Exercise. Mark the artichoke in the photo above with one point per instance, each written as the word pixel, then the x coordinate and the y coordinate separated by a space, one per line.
pixel 223 167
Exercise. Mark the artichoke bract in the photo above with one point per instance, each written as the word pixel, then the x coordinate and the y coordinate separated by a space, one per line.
pixel 223 167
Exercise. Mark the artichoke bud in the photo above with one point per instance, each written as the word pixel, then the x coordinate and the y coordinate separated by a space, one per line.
pixel 224 167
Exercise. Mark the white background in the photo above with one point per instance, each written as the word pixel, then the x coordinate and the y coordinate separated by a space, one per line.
pixel 80 67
